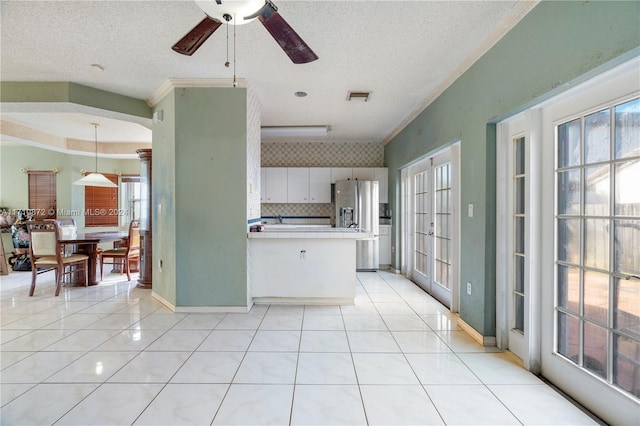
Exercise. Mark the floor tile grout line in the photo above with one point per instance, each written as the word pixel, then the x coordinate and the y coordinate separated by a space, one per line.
pixel 355 370
pixel 411 366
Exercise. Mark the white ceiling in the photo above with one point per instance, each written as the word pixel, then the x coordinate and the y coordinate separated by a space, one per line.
pixel 404 52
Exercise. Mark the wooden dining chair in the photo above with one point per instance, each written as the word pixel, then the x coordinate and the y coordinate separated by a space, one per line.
pixel 122 256
pixel 47 254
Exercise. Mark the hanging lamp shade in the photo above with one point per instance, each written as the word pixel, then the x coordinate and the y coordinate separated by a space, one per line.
pixel 95 178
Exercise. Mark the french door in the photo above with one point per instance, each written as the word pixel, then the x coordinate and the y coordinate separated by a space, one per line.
pixel 432 225
pixel 591 244
pixel 514 237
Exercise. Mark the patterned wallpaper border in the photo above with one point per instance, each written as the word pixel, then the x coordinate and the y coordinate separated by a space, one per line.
pixel 322 154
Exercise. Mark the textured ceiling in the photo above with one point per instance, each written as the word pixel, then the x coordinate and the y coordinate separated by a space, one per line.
pixel 404 52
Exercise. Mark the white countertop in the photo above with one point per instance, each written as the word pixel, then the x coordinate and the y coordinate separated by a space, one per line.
pixel 309 231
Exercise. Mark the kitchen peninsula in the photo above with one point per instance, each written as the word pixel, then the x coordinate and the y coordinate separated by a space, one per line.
pixel 303 265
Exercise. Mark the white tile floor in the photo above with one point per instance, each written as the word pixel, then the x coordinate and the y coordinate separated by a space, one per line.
pixel 113 355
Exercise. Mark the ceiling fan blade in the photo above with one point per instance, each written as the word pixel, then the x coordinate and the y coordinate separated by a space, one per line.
pixel 292 44
pixel 188 44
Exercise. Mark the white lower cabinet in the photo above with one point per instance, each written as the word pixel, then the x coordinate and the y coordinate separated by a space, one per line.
pixel 385 245
pixel 319 270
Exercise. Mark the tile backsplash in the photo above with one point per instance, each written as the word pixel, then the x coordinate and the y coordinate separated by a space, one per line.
pixel 315 210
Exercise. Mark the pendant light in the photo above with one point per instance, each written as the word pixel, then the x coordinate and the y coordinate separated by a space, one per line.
pixel 95 178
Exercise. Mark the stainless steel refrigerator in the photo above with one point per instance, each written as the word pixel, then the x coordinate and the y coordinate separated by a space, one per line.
pixel 357 207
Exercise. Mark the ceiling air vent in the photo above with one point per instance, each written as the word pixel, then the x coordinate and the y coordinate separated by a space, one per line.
pixel 358 96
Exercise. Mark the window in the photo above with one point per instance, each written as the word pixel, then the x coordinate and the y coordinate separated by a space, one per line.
pixel 42 194
pixel 101 204
pixel 130 199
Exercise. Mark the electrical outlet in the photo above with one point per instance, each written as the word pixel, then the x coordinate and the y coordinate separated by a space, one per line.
pixel 469 288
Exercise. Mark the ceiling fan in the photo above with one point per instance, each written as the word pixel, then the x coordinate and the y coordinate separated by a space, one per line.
pixel 241 12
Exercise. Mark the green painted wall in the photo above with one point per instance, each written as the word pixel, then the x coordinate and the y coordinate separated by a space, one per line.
pixel 555 46
pixel 163 199
pixel 66 92
pixel 14 183
pixel 201 153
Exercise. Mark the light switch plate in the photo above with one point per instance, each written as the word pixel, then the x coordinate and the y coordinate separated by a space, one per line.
pixel 470 210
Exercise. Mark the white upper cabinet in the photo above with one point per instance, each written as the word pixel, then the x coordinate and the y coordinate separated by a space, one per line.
pixel 363 173
pixel 298 185
pixel 341 173
pixel 274 185
pixel 313 184
pixel 381 174
pixel 319 185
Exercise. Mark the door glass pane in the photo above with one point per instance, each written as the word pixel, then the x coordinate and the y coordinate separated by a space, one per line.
pixel 569 144
pixel 569 288
pixel 519 195
pixel 520 159
pixel 568 336
pixel 569 240
pixel 596 137
pixel 596 190
pixel 595 349
pixel 569 192
pixel 596 296
pixel 627 129
pixel 626 364
pixel 443 212
pixel 626 308
pixel 519 313
pixel 627 178
pixel 519 238
pixel 421 223
pixel 626 252
pixel 596 243
pixel 519 273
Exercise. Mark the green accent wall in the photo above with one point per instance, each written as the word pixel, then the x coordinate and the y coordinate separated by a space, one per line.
pixel 555 46
pixel 200 178
pixel 163 208
pixel 66 92
pixel 14 189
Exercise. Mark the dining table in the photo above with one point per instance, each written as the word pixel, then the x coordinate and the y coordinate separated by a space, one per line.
pixel 87 243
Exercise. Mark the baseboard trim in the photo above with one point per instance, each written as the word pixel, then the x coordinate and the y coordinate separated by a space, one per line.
pixel 483 340
pixel 303 301
pixel 201 309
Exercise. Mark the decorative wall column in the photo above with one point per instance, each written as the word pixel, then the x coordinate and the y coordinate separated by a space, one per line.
pixel 146 262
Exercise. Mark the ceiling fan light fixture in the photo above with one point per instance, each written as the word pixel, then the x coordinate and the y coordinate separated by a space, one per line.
pixel 238 9
pixel 95 178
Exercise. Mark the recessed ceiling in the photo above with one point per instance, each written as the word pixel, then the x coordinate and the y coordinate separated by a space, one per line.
pixel 406 52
